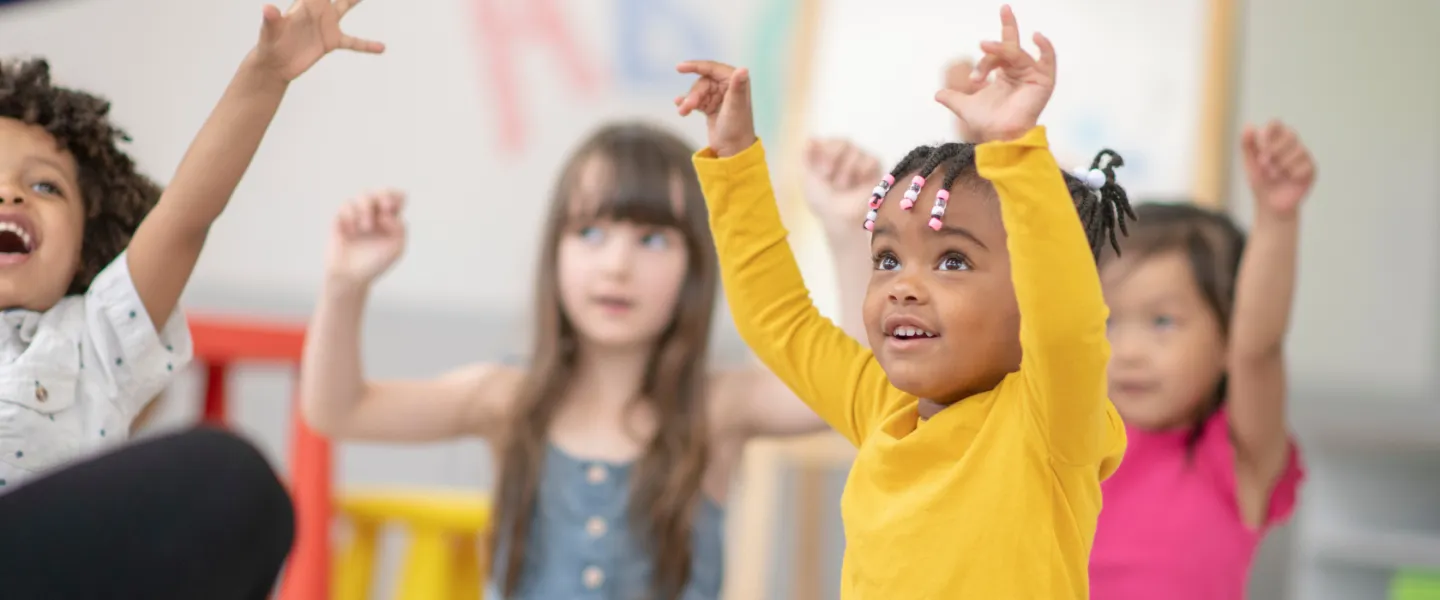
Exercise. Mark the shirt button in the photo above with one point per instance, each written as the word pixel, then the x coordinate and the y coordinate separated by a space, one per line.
pixel 595 527
pixel 593 577
pixel 597 474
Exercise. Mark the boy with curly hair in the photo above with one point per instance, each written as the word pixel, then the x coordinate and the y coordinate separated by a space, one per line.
pixel 94 255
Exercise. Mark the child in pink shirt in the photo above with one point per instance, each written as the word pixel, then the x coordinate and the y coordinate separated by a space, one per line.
pixel 1197 327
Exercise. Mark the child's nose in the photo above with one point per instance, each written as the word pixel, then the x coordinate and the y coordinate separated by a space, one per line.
pixel 907 291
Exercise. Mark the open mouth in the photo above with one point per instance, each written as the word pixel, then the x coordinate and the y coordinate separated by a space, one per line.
pixel 16 237
pixel 905 332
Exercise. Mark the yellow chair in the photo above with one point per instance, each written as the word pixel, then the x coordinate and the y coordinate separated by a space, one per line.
pixel 443 561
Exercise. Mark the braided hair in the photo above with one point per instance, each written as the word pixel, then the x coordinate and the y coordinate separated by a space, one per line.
pixel 1103 209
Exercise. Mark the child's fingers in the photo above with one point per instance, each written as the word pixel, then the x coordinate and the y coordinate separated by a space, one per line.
pixel 707 68
pixel 848 161
pixel 365 215
pixel 1009 57
pixel 391 202
pixel 737 92
pixel 957 75
pixel 1009 29
pixel 985 66
pixel 345 219
pixel 270 22
pixel 344 6
pixel 356 44
pixel 1047 52
pixel 699 91
pixel 1250 142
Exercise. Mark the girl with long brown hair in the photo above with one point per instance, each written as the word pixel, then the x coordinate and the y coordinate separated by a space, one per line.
pixel 616 442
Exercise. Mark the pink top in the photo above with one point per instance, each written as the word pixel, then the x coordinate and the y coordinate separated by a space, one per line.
pixel 1171 526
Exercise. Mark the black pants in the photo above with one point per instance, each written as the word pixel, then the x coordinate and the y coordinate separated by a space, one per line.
pixel 196 516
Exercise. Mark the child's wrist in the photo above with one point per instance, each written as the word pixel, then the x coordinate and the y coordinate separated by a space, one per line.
pixel 1004 134
pixel 341 287
pixel 255 71
pixel 728 149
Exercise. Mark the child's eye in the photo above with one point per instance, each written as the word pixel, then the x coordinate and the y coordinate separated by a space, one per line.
pixel 1163 322
pixel 886 261
pixel 591 234
pixel 953 262
pixel 655 241
pixel 47 188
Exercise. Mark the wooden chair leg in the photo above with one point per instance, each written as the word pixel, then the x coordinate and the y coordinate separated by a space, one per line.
pixel 428 570
pixel 355 570
pixel 469 573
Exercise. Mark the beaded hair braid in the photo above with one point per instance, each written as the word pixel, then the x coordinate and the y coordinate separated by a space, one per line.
pixel 1102 204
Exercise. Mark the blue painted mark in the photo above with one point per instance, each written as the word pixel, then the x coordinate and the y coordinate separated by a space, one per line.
pixel 640 20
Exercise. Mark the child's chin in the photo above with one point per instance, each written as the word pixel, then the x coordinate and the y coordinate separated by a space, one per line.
pixel 913 379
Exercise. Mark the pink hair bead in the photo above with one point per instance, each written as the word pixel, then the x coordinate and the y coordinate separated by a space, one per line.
pixel 869 226
pixel 877 196
pixel 937 212
pixel 912 194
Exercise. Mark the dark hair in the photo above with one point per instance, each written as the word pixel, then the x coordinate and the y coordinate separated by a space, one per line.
pixel 1214 245
pixel 647 167
pixel 116 197
pixel 1102 211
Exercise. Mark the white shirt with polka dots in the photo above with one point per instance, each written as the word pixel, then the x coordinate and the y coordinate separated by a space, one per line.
pixel 73 378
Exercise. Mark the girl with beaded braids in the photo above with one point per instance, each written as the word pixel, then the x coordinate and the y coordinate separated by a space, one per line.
pixel 981 415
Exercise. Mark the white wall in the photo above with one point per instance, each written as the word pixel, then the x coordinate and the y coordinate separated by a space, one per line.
pixel 423 117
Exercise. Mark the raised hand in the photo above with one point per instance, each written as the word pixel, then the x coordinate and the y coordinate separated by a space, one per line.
pixel 1279 166
pixel 1010 105
pixel 958 77
pixel 292 42
pixel 723 93
pixel 369 236
pixel 838 179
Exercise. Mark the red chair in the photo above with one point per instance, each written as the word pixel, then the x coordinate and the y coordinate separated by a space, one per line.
pixel 223 342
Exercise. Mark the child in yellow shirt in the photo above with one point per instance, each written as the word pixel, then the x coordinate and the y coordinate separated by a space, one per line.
pixel 981 417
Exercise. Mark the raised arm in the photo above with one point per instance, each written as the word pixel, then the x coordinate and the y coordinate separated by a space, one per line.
pixel 335 398
pixel 838 176
pixel 832 373
pixel 1281 173
pixel 167 244
pixel 1057 286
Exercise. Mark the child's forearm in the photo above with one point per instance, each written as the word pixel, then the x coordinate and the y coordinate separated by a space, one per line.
pixel 331 377
pixel 850 251
pixel 771 306
pixel 222 151
pixel 1265 288
pixel 166 246
pixel 1057 288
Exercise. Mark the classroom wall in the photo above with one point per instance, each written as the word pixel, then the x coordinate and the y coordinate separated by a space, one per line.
pixel 1359 83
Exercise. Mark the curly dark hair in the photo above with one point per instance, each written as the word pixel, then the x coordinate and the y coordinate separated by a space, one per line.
pixel 1103 211
pixel 116 197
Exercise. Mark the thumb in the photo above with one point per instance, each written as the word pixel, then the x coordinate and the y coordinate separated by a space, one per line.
pixel 270 25
pixel 952 99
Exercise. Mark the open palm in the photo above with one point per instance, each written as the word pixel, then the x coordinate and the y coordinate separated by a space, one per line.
pixel 1010 105
pixel 292 42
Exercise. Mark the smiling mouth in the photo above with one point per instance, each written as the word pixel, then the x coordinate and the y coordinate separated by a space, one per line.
pixel 905 332
pixel 15 239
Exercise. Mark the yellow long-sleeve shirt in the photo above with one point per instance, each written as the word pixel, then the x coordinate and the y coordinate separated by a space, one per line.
pixel 995 497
